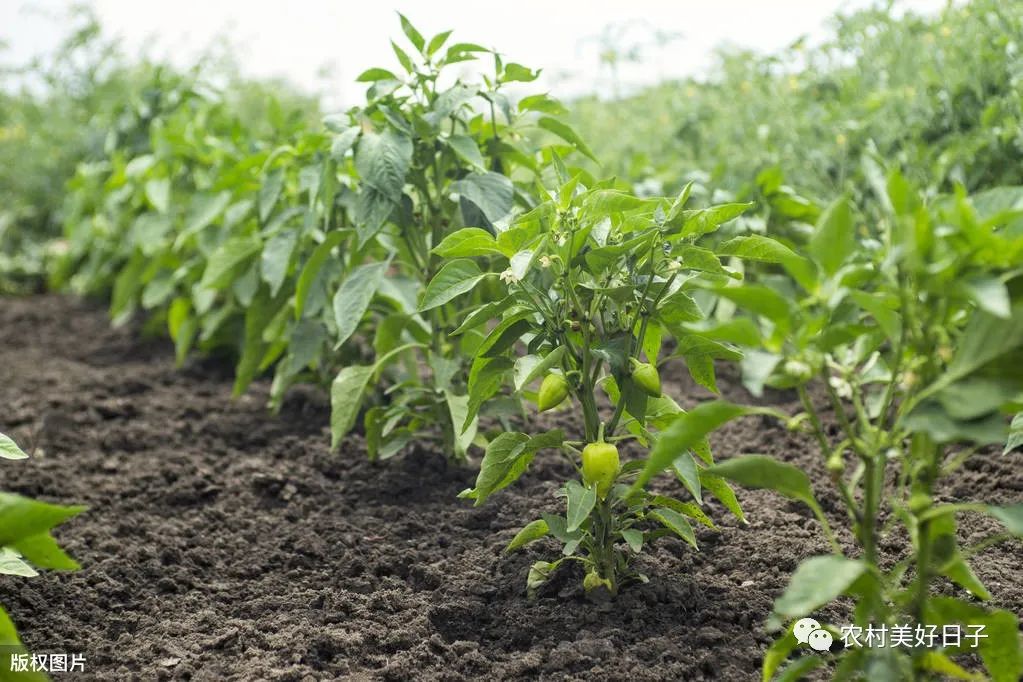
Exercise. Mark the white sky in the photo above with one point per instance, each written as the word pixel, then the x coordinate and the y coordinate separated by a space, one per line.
pixel 297 39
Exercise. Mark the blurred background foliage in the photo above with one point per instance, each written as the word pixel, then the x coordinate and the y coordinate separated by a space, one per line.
pixel 84 101
pixel 938 96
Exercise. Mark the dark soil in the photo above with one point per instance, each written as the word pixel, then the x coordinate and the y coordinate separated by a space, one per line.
pixel 225 544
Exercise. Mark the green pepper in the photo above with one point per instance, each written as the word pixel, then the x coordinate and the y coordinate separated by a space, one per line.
pixel 553 392
pixel 600 466
pixel 646 377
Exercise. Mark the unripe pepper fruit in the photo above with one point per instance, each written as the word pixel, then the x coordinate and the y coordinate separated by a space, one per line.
pixel 646 377
pixel 553 391
pixel 600 465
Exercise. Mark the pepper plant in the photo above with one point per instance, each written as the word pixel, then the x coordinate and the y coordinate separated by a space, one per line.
pixel 914 334
pixel 594 280
pixel 25 545
pixel 423 158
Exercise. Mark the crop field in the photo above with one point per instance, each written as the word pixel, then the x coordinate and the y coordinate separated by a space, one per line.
pixel 719 379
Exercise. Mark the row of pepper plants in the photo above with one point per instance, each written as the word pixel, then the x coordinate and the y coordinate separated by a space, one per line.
pixel 438 260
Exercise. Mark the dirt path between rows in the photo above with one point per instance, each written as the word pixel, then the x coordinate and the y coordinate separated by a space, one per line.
pixel 225 544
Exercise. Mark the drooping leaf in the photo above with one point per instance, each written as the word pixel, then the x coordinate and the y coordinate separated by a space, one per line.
pixel 817 582
pixel 354 296
pixel 9 449
pixel 534 530
pixel 834 238
pixel 345 400
pixel 676 523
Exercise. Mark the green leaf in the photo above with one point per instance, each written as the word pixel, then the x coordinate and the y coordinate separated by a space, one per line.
pixel 766 250
pixel 760 471
pixel 506 458
pixel 11 563
pixel 761 300
pixel 529 368
pixel 818 581
pixel 158 194
pixel 276 257
pixel 687 431
pixel 354 296
pixel 468 242
pixel 566 133
pixel 9 449
pixel 411 33
pixel 458 407
pixel 518 73
pixel 685 467
pixel 376 74
pixel 491 192
pixel 269 193
pixel 436 43
pixel 879 308
pixel 1011 517
pixel 22 518
pixel 44 552
pixel 834 239
pixel 705 220
pixel 720 489
pixel 457 277
pixel 676 523
pixel 382 161
pixel 346 399
pixel 634 539
pixel 1000 647
pixel 985 338
pixel 581 501
pixel 539 573
pixel 533 530
pixel 257 317
pixel 990 294
pixel 312 269
pixel 202 211
pixel 466 149
pixel 223 265
pixel 1015 439
pixel 485 380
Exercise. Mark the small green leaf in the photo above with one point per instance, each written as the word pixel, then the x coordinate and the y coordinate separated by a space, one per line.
pixel 468 242
pixel 22 518
pixel 466 148
pixel 529 368
pixel 685 467
pixel 1011 517
pixel 676 523
pixel 687 431
pixel 533 530
pixel 634 539
pixel 225 262
pixel 566 133
pixel 411 33
pixel 818 581
pixel 834 239
pixel 454 279
pixel 9 449
pixel 346 399
pixel 375 74
pixel 581 500
pixel 312 269
pixel 158 194
pixel 354 296
pixel 760 471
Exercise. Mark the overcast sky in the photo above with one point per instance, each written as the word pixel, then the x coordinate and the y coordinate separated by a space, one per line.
pixel 304 39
